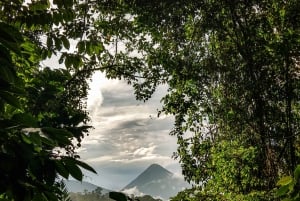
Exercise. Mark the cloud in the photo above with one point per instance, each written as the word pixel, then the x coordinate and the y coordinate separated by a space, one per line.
pixel 95 98
pixel 133 191
pixel 144 151
pixel 127 135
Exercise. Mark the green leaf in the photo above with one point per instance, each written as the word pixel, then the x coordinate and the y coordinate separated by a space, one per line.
pixel 285 181
pixel 81 46
pixel 62 136
pixel 26 119
pixel 7 72
pixel 10 33
pixel 36 139
pixel 51 196
pixel 61 59
pixel 10 37
pixel 49 42
pixel 68 61
pixel 282 191
pixel 26 139
pixel 48 142
pixel 61 169
pixel 65 42
pixel 58 43
pixel 85 166
pixel 5 54
pixel 10 99
pixel 297 173
pixel 28 46
pixel 73 169
pixel 39 197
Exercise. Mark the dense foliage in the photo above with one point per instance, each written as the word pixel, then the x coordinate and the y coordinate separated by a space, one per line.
pixel 41 109
pixel 232 68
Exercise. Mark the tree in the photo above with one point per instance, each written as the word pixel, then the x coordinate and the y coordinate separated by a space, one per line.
pixel 41 110
pixel 231 68
pixel 232 72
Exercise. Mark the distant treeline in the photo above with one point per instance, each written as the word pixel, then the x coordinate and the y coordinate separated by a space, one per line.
pixel 97 195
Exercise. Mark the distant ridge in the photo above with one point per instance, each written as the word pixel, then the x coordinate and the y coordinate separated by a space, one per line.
pixel 157 182
pixel 75 186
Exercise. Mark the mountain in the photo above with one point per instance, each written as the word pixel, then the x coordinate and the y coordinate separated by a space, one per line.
pixel 157 182
pixel 79 187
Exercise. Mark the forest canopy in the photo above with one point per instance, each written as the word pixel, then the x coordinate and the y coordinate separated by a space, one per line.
pixel 232 71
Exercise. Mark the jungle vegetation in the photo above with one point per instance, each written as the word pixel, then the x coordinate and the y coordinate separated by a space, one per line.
pixel 232 71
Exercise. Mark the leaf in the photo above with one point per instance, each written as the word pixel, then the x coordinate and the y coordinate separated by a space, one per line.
pixel 26 119
pixel 48 141
pixel 10 37
pixel 36 139
pixel 297 173
pixel 28 46
pixel 6 71
pixel 5 54
pixel 68 61
pixel 61 59
pixel 81 46
pixel 58 43
pixel 282 191
pixel 10 99
pixel 62 136
pixel 10 33
pixel 26 139
pixel 65 42
pixel 285 181
pixel 61 169
pixel 39 197
pixel 49 171
pixel 57 131
pixel 51 196
pixel 117 196
pixel 85 166
pixel 49 42
pixel 73 169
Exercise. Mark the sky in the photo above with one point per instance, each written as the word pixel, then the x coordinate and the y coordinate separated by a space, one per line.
pixel 127 136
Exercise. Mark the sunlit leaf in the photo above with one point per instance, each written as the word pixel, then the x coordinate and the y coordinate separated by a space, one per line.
pixel 285 181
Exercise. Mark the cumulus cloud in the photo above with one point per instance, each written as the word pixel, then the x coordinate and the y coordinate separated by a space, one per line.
pixel 133 191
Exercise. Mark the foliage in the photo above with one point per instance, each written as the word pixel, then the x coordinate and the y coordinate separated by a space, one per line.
pixel 196 194
pixel 41 110
pixel 118 196
pixel 95 196
pixel 232 72
pixel 231 68
pixel 289 186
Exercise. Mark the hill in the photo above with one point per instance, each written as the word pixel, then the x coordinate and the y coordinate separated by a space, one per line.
pixel 80 187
